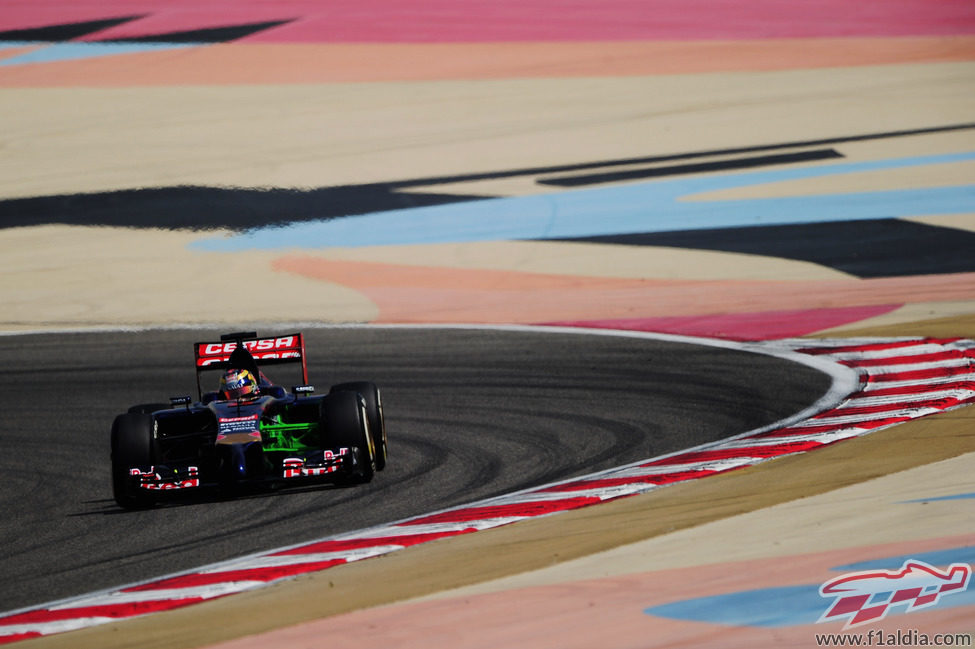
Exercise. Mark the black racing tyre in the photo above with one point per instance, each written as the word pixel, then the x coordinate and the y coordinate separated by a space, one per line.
pixel 148 408
pixel 374 414
pixel 343 418
pixel 131 447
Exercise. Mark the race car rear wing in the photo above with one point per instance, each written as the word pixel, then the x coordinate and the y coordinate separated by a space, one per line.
pixel 245 350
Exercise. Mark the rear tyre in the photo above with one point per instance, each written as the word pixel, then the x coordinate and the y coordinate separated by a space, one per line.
pixel 131 448
pixel 374 414
pixel 343 418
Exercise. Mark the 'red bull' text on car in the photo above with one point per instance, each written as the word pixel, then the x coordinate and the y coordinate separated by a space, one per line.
pixel 250 432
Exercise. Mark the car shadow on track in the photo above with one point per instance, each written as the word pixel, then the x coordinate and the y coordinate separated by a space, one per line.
pixel 108 507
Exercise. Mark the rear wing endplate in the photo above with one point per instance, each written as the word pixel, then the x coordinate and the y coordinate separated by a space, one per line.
pixel 273 350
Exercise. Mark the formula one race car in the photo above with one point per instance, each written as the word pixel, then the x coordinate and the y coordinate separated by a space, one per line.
pixel 251 432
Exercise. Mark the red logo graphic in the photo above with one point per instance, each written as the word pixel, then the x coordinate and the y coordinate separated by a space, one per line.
pixel 867 596
pixel 260 348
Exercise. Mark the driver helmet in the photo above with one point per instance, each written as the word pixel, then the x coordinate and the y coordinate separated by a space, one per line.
pixel 238 384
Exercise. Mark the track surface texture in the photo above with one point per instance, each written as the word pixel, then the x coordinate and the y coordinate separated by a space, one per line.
pixel 470 413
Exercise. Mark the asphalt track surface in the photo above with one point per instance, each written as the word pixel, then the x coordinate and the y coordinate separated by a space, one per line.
pixel 471 413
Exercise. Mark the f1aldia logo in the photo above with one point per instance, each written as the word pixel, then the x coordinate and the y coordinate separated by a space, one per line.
pixel 867 596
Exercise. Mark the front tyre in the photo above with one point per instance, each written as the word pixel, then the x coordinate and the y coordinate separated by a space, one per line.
pixel 343 418
pixel 131 448
pixel 374 415
pixel 148 408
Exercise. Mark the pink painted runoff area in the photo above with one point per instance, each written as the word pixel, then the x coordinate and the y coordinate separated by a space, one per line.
pixel 612 611
pixel 761 325
pixel 510 20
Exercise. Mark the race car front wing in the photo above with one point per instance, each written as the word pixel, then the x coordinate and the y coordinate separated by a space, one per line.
pixel 164 478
